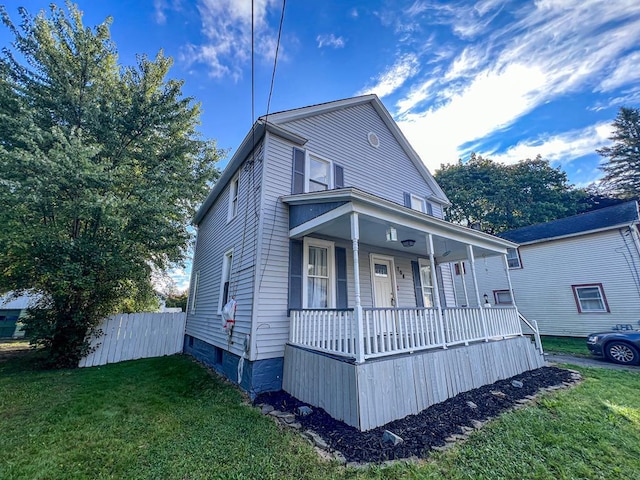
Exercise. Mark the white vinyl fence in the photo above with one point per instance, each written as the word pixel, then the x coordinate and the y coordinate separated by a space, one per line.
pixel 128 336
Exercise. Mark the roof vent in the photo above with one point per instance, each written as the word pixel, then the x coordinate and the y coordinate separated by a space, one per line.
pixel 374 141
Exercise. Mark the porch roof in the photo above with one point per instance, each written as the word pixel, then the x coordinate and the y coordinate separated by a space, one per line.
pixel 327 213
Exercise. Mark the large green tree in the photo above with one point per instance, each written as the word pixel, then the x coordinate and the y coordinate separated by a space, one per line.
pixel 101 168
pixel 622 167
pixel 500 197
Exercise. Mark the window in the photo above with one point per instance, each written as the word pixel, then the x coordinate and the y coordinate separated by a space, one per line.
pixel 225 280
pixel 590 298
pixel 502 297
pixel 314 174
pixel 319 281
pixel 196 279
pixel 456 267
pixel 425 281
pixel 513 258
pixel 233 197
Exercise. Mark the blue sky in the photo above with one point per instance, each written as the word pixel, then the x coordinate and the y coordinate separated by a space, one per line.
pixel 506 79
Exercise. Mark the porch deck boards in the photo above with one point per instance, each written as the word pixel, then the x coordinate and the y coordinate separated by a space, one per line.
pixel 381 390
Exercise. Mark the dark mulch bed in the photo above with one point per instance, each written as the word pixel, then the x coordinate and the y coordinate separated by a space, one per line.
pixel 425 430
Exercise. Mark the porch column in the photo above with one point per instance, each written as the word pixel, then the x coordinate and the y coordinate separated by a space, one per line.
pixel 464 282
pixel 472 264
pixel 436 292
pixel 359 340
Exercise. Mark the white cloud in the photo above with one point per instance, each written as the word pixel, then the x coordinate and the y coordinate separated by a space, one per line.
pixel 560 149
pixel 226 25
pixel 553 48
pixel 626 72
pixel 388 82
pixel 330 40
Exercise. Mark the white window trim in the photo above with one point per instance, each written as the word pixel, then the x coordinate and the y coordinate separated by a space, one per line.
pixel 331 267
pixel 517 257
pixel 603 298
pixel 196 280
pixel 307 170
pixel 372 259
pixel 424 262
pixel 234 188
pixel 225 276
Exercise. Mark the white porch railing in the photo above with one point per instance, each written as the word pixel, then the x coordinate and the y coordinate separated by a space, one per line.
pixel 388 331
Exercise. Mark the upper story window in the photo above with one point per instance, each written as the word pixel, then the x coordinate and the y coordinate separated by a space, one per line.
pixel 234 187
pixel 590 298
pixel 312 173
pixel 513 258
pixel 225 281
pixel 418 202
pixel 196 280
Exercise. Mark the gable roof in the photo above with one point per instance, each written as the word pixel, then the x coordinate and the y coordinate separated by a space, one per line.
pixel 608 218
pixel 281 118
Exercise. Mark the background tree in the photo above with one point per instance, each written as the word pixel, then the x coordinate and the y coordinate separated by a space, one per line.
pixel 500 197
pixel 622 167
pixel 101 168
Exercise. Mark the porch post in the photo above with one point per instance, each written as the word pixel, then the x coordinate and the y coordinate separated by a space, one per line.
pixel 472 264
pixel 464 282
pixel 355 236
pixel 436 292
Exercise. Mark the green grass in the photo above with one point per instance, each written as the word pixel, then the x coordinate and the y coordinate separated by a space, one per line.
pixel 169 418
pixel 568 345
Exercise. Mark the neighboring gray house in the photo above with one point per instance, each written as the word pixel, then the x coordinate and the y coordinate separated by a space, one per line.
pixel 328 231
pixel 11 310
pixel 574 276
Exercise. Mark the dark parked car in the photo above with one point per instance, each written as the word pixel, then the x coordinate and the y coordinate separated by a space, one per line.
pixel 620 347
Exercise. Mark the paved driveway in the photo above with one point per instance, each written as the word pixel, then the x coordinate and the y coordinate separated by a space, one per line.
pixel 587 362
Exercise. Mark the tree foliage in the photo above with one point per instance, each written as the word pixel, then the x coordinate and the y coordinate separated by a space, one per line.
pixel 622 167
pixel 500 197
pixel 101 169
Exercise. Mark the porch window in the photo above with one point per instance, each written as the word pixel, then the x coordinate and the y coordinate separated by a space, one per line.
pixel 456 267
pixel 225 280
pixel 590 298
pixel 502 297
pixel 319 281
pixel 425 281
pixel 513 258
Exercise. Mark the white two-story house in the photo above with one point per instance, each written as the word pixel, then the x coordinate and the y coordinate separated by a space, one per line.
pixel 328 231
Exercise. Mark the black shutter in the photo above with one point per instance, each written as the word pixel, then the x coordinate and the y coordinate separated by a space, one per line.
pixel 338 176
pixel 341 278
pixel 407 199
pixel 297 182
pixel 295 274
pixel 417 284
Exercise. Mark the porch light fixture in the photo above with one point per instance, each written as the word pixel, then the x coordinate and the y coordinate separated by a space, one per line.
pixel 486 298
pixel 408 242
pixel 392 235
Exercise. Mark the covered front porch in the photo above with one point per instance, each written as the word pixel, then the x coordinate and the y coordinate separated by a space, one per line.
pixel 398 301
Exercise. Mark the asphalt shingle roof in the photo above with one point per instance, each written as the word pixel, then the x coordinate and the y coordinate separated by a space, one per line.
pixel 623 213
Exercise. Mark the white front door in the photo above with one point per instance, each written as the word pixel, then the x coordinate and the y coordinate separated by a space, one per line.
pixel 383 282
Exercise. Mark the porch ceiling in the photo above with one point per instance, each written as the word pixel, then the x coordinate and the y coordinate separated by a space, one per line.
pixel 377 215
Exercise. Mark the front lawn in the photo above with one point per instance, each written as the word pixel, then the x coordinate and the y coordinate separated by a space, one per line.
pixel 170 418
pixel 567 345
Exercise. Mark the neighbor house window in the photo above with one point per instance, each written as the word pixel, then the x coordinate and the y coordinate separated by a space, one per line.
pixel 196 280
pixel 318 272
pixel 233 197
pixel 227 262
pixel 502 297
pixel 513 258
pixel 590 298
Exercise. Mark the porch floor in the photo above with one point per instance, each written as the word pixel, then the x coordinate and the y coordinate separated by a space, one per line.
pixel 380 390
